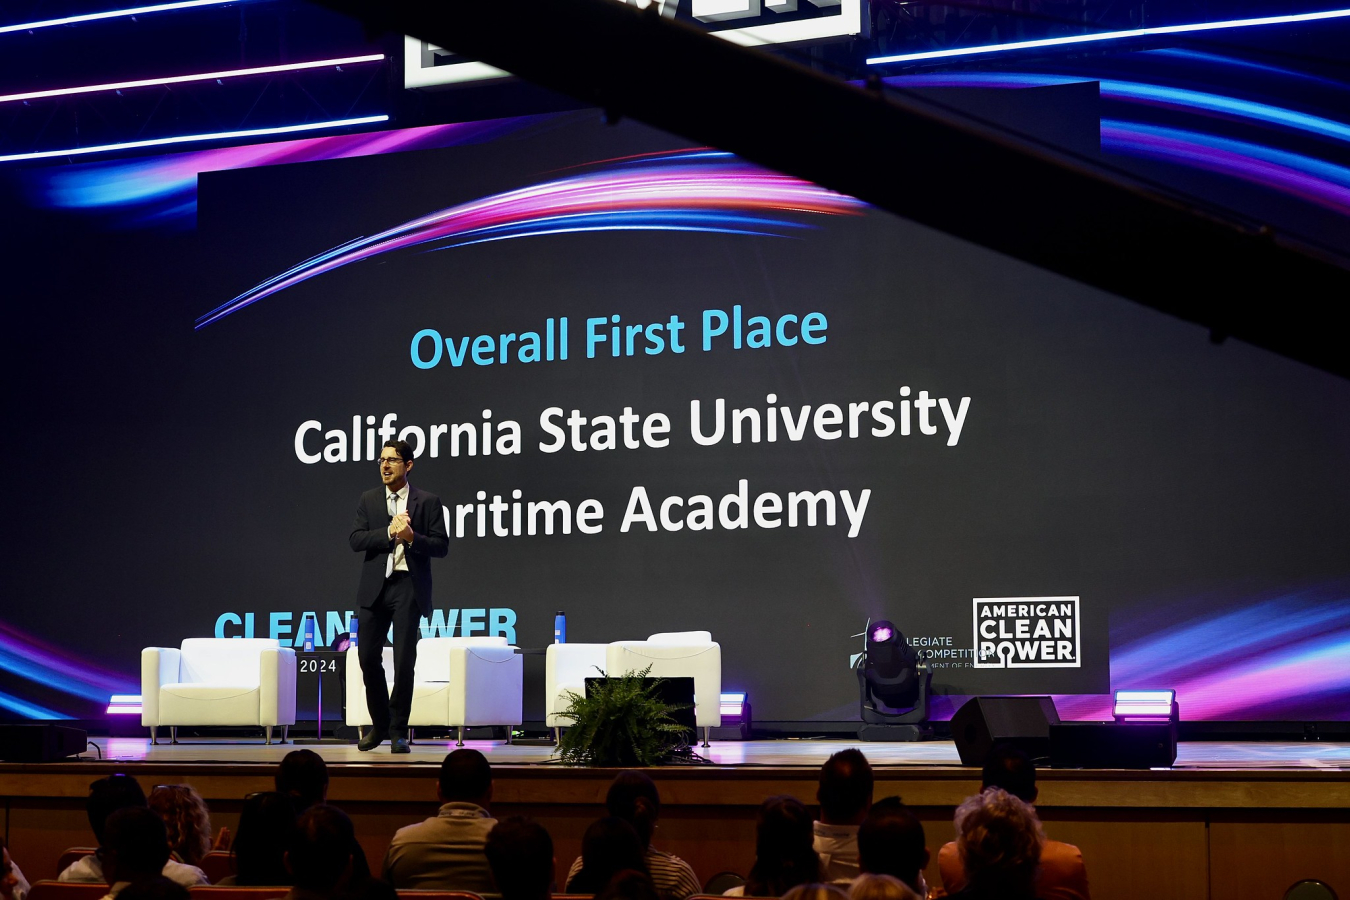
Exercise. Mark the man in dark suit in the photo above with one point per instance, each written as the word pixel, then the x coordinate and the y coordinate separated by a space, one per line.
pixel 399 529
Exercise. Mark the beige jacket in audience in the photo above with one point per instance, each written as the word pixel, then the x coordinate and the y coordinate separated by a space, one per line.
pixel 444 853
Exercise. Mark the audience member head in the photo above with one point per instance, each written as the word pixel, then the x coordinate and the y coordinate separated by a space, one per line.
pixel 815 891
pixel 611 845
pixel 891 842
pixel 999 840
pixel 880 887
pixel 520 854
pixel 629 884
pixel 186 818
pixel 1009 768
pixel 320 854
pixel 784 855
pixel 107 796
pixel 303 777
pixel 8 880
pixel 266 828
pixel 845 791
pixel 157 888
pixel 633 797
pixel 135 845
pixel 466 777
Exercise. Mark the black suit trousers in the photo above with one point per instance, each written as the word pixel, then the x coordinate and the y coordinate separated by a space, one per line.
pixel 396 605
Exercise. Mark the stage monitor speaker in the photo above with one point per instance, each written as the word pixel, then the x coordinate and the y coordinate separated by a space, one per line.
pixel 984 722
pixel 1113 745
pixel 41 743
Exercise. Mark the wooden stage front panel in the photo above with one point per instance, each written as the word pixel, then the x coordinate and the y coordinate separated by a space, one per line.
pixel 1237 821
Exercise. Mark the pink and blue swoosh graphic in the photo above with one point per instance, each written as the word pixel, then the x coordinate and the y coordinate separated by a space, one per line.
pixel 27 658
pixel 697 190
pixel 161 191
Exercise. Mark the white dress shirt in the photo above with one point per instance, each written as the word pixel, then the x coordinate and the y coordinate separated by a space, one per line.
pixel 396 502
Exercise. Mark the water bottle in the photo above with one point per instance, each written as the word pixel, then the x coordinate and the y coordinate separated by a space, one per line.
pixel 309 634
pixel 560 628
pixel 352 631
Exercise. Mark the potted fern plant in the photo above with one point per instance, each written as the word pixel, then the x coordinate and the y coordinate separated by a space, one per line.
pixel 621 723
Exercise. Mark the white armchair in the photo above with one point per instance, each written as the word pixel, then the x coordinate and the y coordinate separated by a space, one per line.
pixel 458 682
pixel 218 681
pixel 566 668
pixel 675 655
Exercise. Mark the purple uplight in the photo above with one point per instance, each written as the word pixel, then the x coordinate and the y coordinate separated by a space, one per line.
pixel 882 633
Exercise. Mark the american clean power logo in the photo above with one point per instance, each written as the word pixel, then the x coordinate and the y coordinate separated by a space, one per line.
pixel 1027 633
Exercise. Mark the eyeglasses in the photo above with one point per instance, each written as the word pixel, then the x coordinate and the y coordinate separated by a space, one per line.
pixel 391 460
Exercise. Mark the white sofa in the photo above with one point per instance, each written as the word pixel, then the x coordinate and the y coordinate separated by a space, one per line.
pixel 218 681
pixel 566 668
pixel 457 682
pixel 674 655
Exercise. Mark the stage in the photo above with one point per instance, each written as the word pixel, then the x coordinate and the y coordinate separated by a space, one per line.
pixel 1230 819
pixel 1194 755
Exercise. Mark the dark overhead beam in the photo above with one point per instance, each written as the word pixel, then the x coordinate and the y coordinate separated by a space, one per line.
pixel 980 185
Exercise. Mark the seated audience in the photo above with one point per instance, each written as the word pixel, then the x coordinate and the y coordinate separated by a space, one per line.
pixel 303 776
pixel 868 886
pixel 998 838
pixel 520 854
pixel 845 796
pixel 320 855
pixel 784 855
pixel 1062 875
pixel 629 885
pixel 134 850
pixel 611 845
pixel 446 852
pixel 13 886
pixel 816 891
pixel 187 819
pixel 891 842
pixel 107 796
pixel 633 797
pixel 266 827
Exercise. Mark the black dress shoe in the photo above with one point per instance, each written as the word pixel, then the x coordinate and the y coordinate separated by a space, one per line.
pixel 372 740
pixel 399 745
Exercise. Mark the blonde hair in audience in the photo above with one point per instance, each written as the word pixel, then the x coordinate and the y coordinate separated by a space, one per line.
pixel 815 891
pixel 186 819
pixel 880 887
pixel 999 839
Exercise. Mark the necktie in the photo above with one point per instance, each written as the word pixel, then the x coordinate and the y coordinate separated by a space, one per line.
pixel 396 556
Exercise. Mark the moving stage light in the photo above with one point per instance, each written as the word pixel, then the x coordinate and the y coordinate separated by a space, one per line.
pixel 736 721
pixel 892 686
pixel 1139 706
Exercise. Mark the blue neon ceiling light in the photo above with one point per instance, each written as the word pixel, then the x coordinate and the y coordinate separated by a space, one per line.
pixel 188 79
pixel 115 14
pixel 190 138
pixel 1069 40
pixel 1143 93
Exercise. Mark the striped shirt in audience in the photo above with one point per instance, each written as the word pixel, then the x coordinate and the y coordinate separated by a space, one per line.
pixel 673 878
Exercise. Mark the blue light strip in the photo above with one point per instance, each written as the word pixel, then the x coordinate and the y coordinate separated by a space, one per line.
pixel 115 14
pixel 26 709
pixel 190 138
pixel 1070 40
pixel 188 79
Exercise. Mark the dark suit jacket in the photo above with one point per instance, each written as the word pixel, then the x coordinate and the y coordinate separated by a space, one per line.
pixel 370 535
